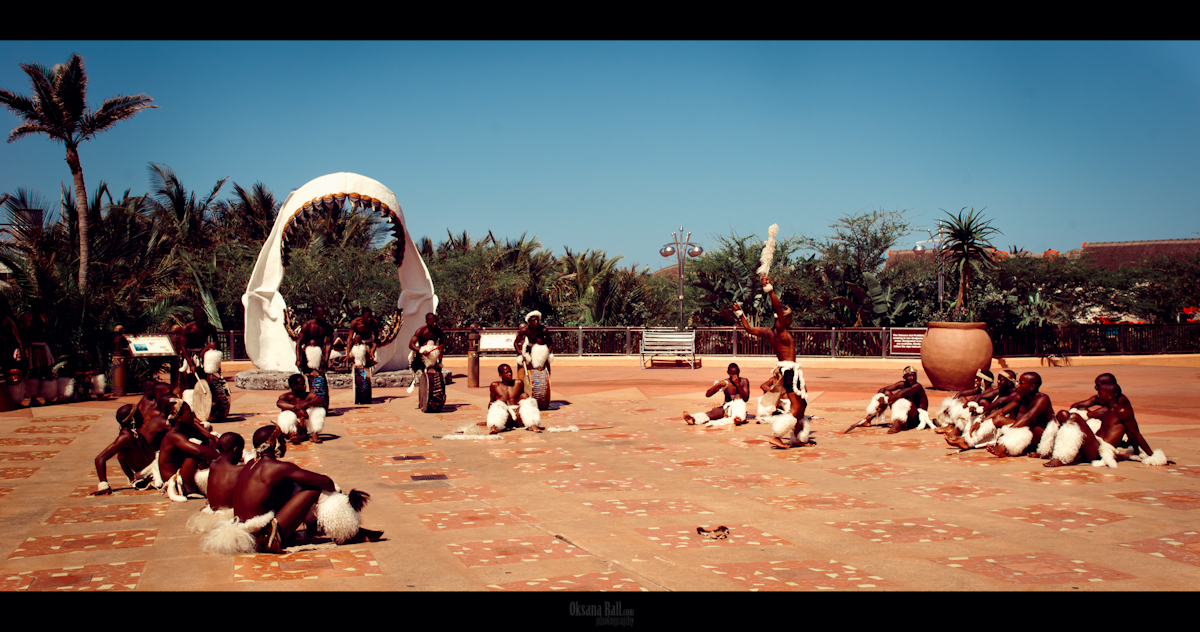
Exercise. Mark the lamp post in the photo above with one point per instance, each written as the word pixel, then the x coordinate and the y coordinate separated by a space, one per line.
pixel 676 247
pixel 937 253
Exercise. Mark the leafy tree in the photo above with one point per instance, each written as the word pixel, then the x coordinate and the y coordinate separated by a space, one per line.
pixel 860 242
pixel 58 108
pixel 966 248
pixel 727 274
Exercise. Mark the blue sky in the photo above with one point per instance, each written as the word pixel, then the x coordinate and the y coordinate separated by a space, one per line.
pixel 611 145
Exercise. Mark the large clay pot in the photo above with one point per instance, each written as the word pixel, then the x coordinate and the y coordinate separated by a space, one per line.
pixel 951 353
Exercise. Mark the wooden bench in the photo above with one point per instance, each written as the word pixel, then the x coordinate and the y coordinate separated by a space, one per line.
pixel 668 342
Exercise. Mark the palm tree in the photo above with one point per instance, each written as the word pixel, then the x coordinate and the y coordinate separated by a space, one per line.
pixel 966 246
pixel 58 109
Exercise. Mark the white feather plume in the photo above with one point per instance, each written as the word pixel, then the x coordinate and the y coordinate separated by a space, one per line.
pixel 768 253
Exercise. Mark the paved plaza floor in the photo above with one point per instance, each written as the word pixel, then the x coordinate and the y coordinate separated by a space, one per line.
pixel 615 506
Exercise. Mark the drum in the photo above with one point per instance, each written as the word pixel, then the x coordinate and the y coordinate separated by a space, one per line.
pixel 540 387
pixel 220 397
pixel 202 400
pixel 433 392
pixel 362 385
pixel 319 385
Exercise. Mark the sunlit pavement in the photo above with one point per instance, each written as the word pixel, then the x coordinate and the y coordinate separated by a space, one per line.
pixel 615 505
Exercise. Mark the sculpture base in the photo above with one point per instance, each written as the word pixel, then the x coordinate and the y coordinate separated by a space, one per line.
pixel 260 380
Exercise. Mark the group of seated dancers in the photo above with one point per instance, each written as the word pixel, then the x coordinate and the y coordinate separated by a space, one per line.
pixel 254 501
pixel 1010 416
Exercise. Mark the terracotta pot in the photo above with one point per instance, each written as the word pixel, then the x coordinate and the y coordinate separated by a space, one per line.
pixel 952 352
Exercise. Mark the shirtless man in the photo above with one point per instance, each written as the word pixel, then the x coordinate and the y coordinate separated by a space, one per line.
pixel 532 334
pixel 1119 422
pixel 132 452
pixel 301 411
pixel 737 391
pixel 178 457
pixel 509 406
pixel 980 408
pixel 364 330
pixel 1021 422
pixel 907 400
pixel 274 497
pixel 148 405
pixel 199 337
pixel 1093 402
pixel 791 379
pixel 224 471
pixel 426 345
pixel 314 343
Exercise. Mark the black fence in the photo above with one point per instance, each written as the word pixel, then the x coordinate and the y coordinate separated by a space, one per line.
pixel 858 342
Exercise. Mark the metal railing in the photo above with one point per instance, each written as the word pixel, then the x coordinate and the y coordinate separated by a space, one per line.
pixel 857 342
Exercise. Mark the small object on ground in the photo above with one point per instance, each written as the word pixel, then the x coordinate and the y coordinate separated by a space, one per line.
pixel 720 533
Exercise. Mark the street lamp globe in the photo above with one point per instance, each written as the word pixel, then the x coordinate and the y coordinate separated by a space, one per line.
pixel 695 251
pixel 667 251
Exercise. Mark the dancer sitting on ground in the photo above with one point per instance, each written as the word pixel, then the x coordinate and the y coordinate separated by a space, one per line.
pixel 1091 408
pixel 1064 447
pixel 301 414
pixel 223 475
pixel 791 425
pixel 952 406
pixel 364 331
pixel 180 457
pixel 133 453
pixel 273 498
pixel 1023 420
pixel 975 422
pixel 737 391
pixel 906 398
pixel 509 406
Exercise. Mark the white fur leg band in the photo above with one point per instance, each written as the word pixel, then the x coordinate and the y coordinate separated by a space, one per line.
pixel 359 353
pixel 877 403
pixel 1067 442
pixel 1046 445
pixel 900 410
pixel 212 361
pixel 204 520
pixel 233 537
pixel 1015 440
pixel 923 418
pixel 530 415
pixel 767 405
pixel 336 518
pixel 1158 459
pixel 784 427
pixel 805 432
pixel 539 356
pixel 700 418
pixel 736 409
pixel 287 422
pixel 313 355
pixel 316 420
pixel 498 415
pixel 103 486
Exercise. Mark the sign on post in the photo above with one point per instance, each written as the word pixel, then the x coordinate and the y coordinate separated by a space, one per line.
pixel 906 340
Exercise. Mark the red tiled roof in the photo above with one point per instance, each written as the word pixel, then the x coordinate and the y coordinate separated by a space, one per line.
pixel 1114 254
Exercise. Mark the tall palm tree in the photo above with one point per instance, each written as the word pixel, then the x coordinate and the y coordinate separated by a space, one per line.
pixel 966 247
pixel 58 108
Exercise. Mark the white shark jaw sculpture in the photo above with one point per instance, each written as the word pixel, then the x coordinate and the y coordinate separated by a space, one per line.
pixel 267 341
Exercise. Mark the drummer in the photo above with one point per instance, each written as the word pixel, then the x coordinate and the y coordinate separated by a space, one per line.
pixel 199 337
pixel 426 345
pixel 364 330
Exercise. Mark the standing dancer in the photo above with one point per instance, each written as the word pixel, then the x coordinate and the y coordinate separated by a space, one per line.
pixel 533 344
pixel 312 351
pixel 792 424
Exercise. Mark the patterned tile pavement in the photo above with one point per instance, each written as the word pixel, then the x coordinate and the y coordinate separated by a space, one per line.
pixel 370 419
pixel 391 444
pixel 32 455
pixel 305 565
pixel 807 455
pixel 694 463
pixel 108 513
pixel 4 491
pixel 1185 470
pixel 798 575
pixel 873 471
pixel 1061 517
pixel 632 435
pixel 748 481
pixel 747 442
pixel 583 485
pixel 406 460
pixel 908 530
pixel 51 429
pixel 473 518
pixel 906 444
pixel 652 448
pixel 405 477
pixel 975 458
pixel 85 491
pixel 368 431
pixel 1174 499
pixel 54 544
pixel 643 410
pixel 462 492
pixel 13 442
pixel 1036 568
pixel 118 576
pixel 961 490
pixel 817 502
pixel 514 550
pixel 525 453
pixel 1181 547
pixel 563 467
pixel 66 419
pixel 609 581
pixel 641 507
pixel 1065 476
pixel 15 473
pixel 686 537
pixel 306 462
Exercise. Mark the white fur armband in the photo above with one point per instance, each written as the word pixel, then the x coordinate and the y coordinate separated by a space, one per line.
pixel 768 288
pixel 739 313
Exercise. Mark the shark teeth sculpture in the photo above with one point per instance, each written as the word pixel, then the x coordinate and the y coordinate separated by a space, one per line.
pixel 267 341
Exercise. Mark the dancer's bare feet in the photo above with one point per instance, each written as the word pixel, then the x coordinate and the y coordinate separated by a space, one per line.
pixel 691 421
pixel 896 427
pixel 957 442
pixel 776 442
pixel 997 450
pixel 737 421
pixel 1053 463
pixel 536 428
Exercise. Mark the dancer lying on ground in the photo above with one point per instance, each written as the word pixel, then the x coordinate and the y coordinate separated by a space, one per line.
pixel 907 400
pixel 509 406
pixel 273 498
pixel 790 425
pixel 301 413
pixel 133 453
pixel 737 391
